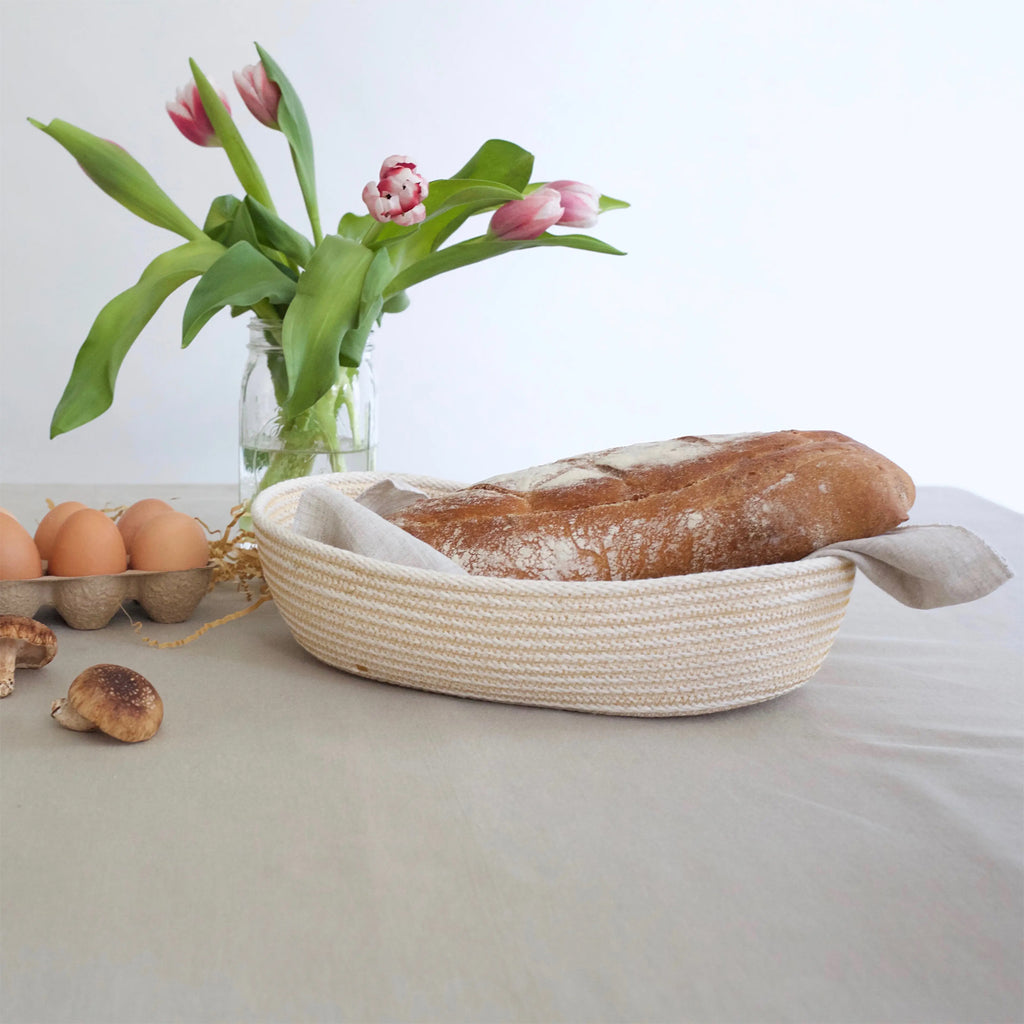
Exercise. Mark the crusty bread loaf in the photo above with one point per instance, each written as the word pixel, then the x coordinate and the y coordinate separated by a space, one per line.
pixel 691 504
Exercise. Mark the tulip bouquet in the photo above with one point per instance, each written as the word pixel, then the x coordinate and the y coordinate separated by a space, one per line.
pixel 325 292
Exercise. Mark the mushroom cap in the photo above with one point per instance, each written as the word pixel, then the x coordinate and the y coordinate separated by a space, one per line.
pixel 24 643
pixel 118 701
pixel 35 644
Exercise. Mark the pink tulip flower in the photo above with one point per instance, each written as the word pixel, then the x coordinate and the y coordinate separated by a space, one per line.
pixel 398 195
pixel 581 204
pixel 527 218
pixel 260 94
pixel 188 114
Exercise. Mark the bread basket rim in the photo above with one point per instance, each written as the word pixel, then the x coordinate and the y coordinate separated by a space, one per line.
pixel 265 525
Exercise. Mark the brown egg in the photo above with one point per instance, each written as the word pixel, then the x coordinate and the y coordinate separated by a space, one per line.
pixel 19 556
pixel 170 542
pixel 48 526
pixel 88 544
pixel 137 514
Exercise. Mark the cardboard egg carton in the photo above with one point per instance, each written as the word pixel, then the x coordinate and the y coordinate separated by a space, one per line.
pixel 90 602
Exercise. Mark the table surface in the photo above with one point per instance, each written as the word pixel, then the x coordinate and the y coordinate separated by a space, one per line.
pixel 297 844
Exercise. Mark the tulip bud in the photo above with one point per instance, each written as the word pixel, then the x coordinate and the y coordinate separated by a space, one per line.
pixel 260 94
pixel 522 219
pixel 581 204
pixel 399 195
pixel 188 113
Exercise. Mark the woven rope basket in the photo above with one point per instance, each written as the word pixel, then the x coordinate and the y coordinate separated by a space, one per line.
pixel 681 645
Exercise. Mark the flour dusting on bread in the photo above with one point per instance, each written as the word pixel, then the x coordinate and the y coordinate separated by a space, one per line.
pixel 689 504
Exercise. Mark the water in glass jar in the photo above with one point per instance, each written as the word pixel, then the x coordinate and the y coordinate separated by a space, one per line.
pixel 261 467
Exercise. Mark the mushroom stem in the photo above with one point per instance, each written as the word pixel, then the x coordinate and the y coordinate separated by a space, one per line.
pixel 67 716
pixel 8 660
pixel 24 643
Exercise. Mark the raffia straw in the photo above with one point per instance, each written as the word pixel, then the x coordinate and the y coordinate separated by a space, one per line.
pixel 234 554
pixel 205 628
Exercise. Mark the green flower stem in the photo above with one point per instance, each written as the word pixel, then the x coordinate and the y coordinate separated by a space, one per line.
pixel 285 465
pixel 292 122
pixel 243 163
pixel 313 432
pixel 325 416
pixel 264 309
pixel 345 398
pixel 313 211
pixel 371 233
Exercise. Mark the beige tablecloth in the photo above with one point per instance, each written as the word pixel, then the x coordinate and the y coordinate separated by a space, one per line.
pixel 299 845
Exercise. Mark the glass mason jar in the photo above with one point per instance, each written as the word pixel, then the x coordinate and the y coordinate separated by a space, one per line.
pixel 336 434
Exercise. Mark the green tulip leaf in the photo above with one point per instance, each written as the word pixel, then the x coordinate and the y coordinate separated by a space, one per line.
pixel 327 304
pixel 473 250
pixel 607 203
pixel 242 277
pixel 455 192
pixel 228 221
pixel 278 235
pixel 221 216
pixel 353 344
pixel 90 389
pixel 371 307
pixel 397 303
pixel 500 161
pixel 291 118
pixel 378 276
pixel 231 220
pixel 122 177
pixel 242 161
pixel 455 206
pixel 355 226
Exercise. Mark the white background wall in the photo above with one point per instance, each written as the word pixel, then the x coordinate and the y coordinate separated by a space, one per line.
pixel 825 232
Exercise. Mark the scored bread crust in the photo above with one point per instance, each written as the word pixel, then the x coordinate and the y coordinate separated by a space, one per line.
pixel 690 504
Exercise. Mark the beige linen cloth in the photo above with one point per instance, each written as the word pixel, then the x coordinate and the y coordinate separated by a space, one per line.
pixel 920 566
